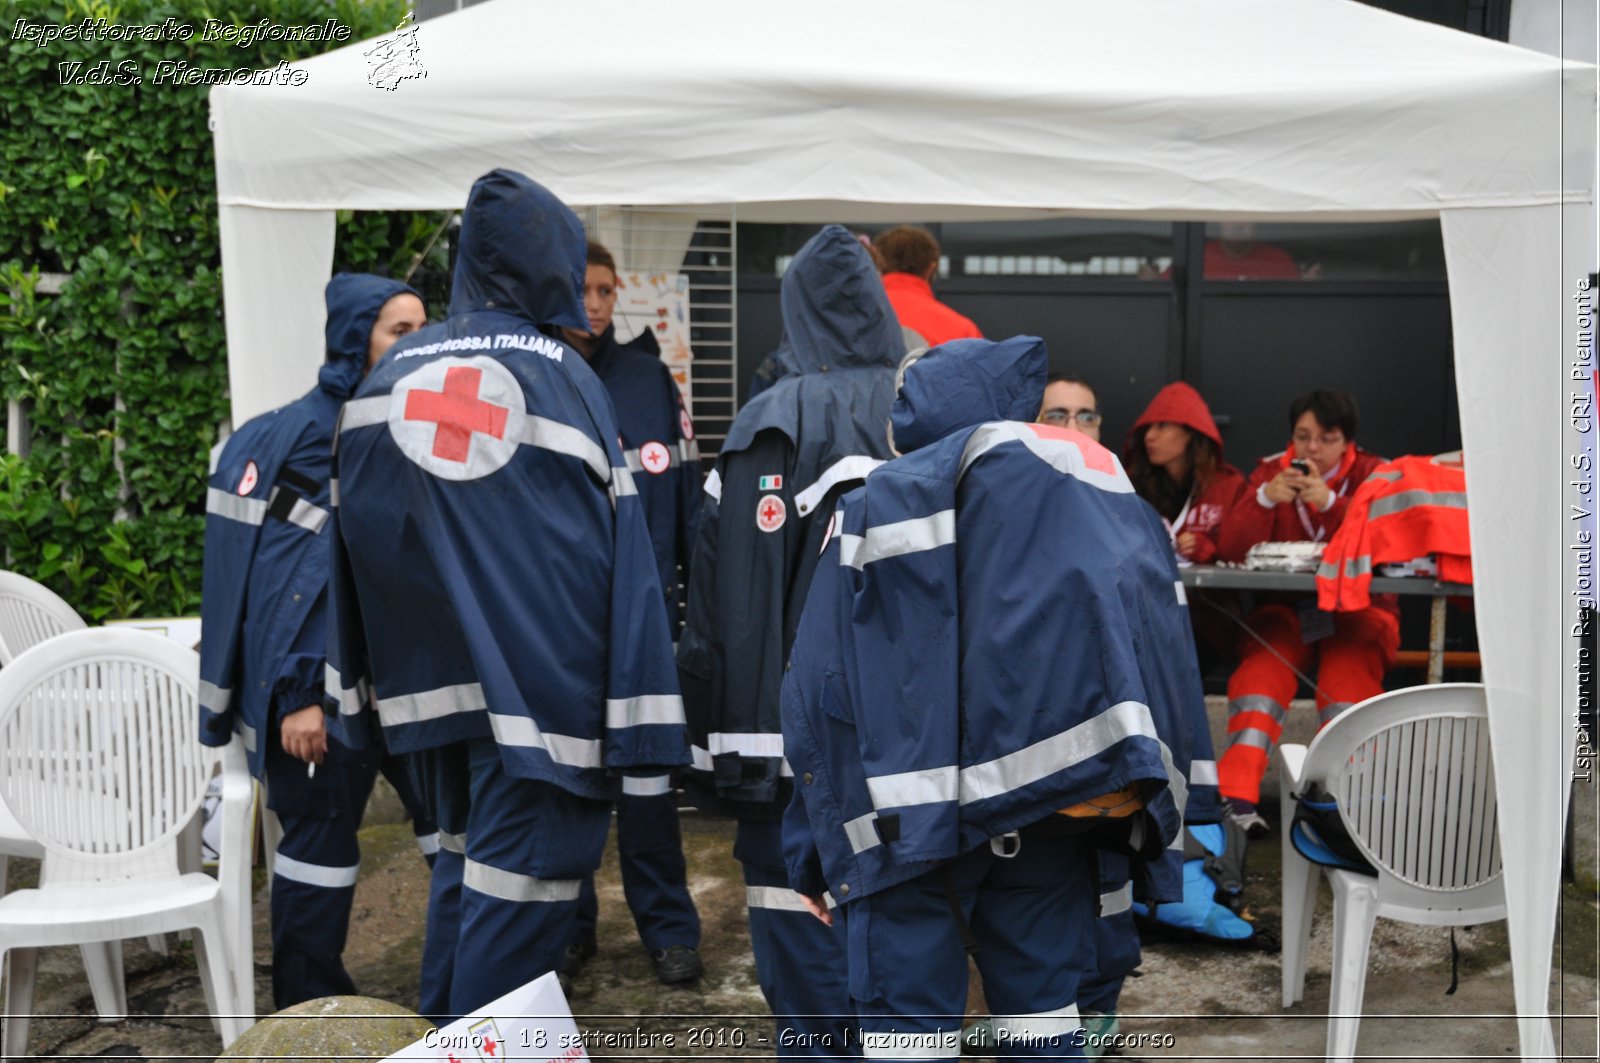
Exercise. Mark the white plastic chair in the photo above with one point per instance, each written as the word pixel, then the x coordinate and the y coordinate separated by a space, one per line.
pixel 30 612
pixel 1412 776
pixel 100 761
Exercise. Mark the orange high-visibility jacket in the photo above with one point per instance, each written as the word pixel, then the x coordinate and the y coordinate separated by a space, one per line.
pixel 1407 508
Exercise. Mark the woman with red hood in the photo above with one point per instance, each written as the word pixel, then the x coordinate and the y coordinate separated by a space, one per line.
pixel 1300 494
pixel 1173 454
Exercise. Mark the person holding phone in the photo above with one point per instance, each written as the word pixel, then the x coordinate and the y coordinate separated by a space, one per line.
pixel 1299 494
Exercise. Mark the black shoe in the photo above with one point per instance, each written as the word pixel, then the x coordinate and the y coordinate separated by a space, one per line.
pixel 576 956
pixel 677 965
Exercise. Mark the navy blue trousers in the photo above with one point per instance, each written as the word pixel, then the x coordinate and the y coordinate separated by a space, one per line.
pixel 800 961
pixel 654 876
pixel 1033 918
pixel 513 856
pixel 317 862
pixel 1116 938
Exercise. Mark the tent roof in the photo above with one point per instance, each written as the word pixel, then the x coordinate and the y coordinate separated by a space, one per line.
pixel 842 110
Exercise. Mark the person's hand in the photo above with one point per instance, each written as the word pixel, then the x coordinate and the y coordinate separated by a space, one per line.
pixel 304 734
pixel 816 907
pixel 1314 490
pixel 1283 487
pixel 1185 542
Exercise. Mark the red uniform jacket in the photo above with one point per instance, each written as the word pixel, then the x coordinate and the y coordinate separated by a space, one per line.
pixel 1248 522
pixel 1407 508
pixel 917 309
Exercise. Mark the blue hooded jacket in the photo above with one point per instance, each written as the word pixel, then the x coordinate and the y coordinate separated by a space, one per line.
pixel 996 632
pixel 492 575
pixel 791 452
pixel 264 597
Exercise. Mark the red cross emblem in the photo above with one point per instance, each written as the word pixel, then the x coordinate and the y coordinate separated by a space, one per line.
pixel 1095 456
pixel 457 412
pixel 489 1045
pixel 771 513
pixel 655 458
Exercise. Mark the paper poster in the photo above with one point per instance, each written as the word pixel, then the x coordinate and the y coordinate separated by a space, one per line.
pixel 658 302
pixel 532 1023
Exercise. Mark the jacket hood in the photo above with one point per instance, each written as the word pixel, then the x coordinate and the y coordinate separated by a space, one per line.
pixel 522 252
pixel 1177 403
pixel 835 314
pixel 965 383
pixel 354 302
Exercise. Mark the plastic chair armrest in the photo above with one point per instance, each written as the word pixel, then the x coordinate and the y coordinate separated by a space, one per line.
pixel 1292 761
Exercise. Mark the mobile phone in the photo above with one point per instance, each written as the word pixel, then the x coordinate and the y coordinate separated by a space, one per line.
pixel 1301 466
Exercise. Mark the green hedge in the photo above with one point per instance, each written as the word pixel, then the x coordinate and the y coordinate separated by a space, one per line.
pixel 115 186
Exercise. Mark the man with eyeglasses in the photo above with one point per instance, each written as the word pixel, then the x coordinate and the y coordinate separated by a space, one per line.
pixel 1069 402
pixel 1299 494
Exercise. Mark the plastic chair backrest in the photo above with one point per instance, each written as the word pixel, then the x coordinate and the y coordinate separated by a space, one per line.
pixel 30 612
pixel 1412 774
pixel 100 759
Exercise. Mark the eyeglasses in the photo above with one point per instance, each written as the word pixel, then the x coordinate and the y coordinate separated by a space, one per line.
pixel 1327 439
pixel 1063 418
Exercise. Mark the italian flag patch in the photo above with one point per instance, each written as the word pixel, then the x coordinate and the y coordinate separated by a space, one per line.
pixel 771 483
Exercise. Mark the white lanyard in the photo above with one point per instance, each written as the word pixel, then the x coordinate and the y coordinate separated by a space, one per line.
pixel 1316 534
pixel 1175 525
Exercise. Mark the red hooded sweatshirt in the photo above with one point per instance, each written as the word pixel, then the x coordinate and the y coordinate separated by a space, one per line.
pixel 1202 514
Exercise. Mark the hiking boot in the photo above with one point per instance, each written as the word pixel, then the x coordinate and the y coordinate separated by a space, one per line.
pixel 577 954
pixel 677 965
pixel 1244 814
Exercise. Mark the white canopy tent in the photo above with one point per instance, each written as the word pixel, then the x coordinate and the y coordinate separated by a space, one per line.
pixel 841 111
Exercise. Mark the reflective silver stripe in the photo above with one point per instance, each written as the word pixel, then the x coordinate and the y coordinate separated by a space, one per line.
pixel 1253 738
pixel 930 786
pixel 1126 719
pixel 702 756
pixel 854 467
pixel 364 413
pixel 752 744
pixel 1258 703
pixel 1384 507
pixel 676 455
pixel 351 699
pixel 1035 1028
pixel 333 878
pixel 306 515
pixel 1203 772
pixel 453 843
pixel 647 786
pixel 333 493
pixel 688 450
pixel 903 1044
pixel 524 889
pixel 901 537
pixel 1353 567
pixel 214 698
pixel 778 899
pixel 246 732
pixel 1331 710
pixel 644 710
pixel 561 438
pixel 714 485
pixel 521 731
pixel 428 843
pixel 1183 595
pixel 622 484
pixel 1390 475
pixel 863 833
pixel 1175 780
pixel 430 704
pixel 220 503
pixel 1060 454
pixel 849 548
pixel 1117 901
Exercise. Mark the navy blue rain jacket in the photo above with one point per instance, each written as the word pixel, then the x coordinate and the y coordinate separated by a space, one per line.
pixel 996 631
pixel 794 448
pixel 659 448
pixel 264 601
pixel 492 575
